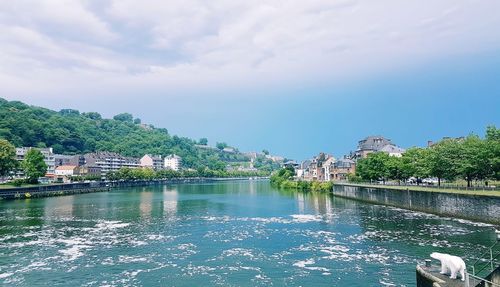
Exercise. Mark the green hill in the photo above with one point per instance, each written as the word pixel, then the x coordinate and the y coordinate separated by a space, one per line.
pixel 71 132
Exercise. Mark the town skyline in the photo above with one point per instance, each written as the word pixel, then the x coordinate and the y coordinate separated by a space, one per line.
pixel 294 79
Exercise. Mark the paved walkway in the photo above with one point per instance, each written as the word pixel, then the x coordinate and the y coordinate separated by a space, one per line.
pixel 446 281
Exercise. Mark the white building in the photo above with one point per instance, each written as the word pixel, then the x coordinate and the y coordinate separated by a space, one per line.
pixel 66 170
pixel 173 162
pixel 48 157
pixel 328 167
pixel 393 150
pixel 152 161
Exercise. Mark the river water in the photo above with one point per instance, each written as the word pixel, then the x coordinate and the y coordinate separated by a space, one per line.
pixel 236 233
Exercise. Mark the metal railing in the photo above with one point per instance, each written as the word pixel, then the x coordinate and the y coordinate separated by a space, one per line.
pixel 442 186
pixel 476 280
pixel 487 260
pixel 484 266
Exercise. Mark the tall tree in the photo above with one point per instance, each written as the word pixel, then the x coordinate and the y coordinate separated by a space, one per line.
pixel 475 160
pixel 444 159
pixel 8 160
pixel 34 165
pixel 373 167
pixel 415 163
pixel 493 145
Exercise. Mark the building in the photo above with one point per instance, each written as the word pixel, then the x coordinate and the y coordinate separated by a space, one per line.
pixel 393 150
pixel 107 161
pixel 173 162
pixel 303 170
pixel 61 159
pixel 48 158
pixel 66 170
pixel 90 171
pixel 342 168
pixel 370 144
pixel 152 161
pixel 327 168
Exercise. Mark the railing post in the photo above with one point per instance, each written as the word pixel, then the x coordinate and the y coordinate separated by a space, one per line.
pixel 467 283
pixel 491 258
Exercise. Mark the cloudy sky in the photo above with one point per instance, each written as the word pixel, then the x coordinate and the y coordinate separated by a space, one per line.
pixel 295 77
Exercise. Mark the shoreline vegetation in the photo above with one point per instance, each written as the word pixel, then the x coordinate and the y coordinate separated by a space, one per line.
pixel 147 174
pixel 284 179
pixel 59 189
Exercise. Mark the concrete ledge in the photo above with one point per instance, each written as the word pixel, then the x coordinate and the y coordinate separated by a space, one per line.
pixel 426 279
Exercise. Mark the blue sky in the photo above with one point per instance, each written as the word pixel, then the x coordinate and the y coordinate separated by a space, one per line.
pixel 295 78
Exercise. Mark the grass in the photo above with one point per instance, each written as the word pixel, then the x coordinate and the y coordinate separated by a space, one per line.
pixel 494 193
pixel 24 185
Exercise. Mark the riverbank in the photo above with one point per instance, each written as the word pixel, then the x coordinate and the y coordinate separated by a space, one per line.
pixel 47 190
pixel 473 207
pixel 477 192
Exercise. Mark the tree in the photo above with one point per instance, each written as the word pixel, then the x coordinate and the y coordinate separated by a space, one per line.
pixel 221 145
pixel 34 165
pixel 474 160
pixel 265 151
pixel 8 160
pixel 492 133
pixel 124 117
pixel 203 141
pixel 137 121
pixel 395 168
pixel 493 145
pixel 374 166
pixel 415 163
pixel 444 159
pixel 92 115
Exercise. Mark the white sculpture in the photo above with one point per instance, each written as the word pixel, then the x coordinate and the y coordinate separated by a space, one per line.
pixel 453 264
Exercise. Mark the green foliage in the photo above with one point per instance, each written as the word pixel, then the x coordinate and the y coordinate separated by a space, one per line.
pixel 265 151
pixel 8 160
pixel 471 159
pixel 17 182
pixel 374 167
pixel 124 117
pixel 203 141
pixel 492 133
pixel 283 178
pixel 149 174
pixel 415 162
pixel 69 132
pixel 221 145
pixel 33 165
pixel 351 177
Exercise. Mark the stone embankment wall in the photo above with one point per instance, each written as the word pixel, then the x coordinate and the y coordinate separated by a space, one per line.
pixel 472 207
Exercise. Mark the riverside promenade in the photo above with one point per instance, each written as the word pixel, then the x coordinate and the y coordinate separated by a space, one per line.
pixel 477 206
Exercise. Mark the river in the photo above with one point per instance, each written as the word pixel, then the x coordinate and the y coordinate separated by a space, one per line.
pixel 235 233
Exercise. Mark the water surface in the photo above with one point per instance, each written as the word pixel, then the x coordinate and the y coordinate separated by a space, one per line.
pixel 238 233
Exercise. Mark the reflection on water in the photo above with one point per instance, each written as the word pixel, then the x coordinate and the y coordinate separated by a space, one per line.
pixel 241 233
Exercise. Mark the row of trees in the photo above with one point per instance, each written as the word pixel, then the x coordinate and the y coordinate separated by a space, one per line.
pixel 150 174
pixel 283 178
pixel 33 164
pixel 470 158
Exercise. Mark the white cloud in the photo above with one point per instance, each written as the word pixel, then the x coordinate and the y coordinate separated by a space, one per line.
pixel 178 44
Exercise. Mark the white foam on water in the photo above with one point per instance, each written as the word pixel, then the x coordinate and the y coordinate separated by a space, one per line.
pixel 5 275
pixel 108 224
pixel 73 252
pixel 238 252
pixel 304 218
pixel 304 263
pixel 131 259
